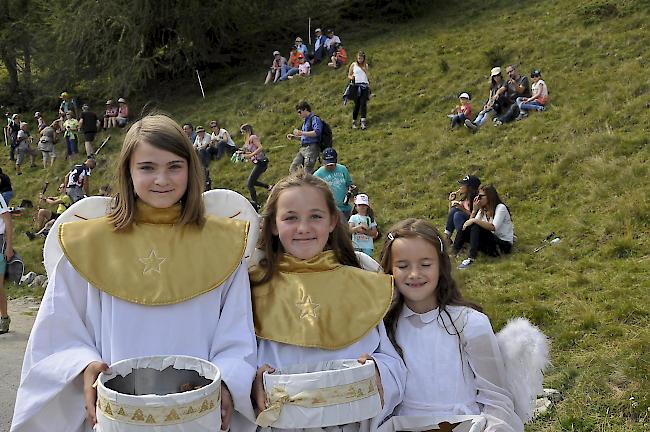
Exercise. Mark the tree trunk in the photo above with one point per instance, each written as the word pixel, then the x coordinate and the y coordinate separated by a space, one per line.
pixel 27 69
pixel 10 64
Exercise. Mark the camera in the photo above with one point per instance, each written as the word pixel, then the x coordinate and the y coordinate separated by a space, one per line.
pixel 352 191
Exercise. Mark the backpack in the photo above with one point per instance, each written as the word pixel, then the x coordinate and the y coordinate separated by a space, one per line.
pixel 325 134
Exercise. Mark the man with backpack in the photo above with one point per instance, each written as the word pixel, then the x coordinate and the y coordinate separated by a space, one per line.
pixel 314 135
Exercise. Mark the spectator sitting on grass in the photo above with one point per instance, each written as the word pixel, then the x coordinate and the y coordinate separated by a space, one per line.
pixel 122 113
pixel 490 228
pixel 331 42
pixel 304 68
pixel 275 71
pixel 202 146
pixel 320 51
pixel 23 149
pixel 189 132
pixel 291 68
pixel 45 218
pixel 495 103
pixel 221 141
pixel 301 47
pixel 339 58
pixel 110 115
pixel 461 112
pixel 517 86
pixel 537 101
pixel 461 204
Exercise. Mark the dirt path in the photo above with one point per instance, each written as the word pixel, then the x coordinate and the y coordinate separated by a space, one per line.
pixel 12 350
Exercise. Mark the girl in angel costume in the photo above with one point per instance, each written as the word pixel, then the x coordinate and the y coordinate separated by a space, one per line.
pixel 156 276
pixel 455 362
pixel 311 301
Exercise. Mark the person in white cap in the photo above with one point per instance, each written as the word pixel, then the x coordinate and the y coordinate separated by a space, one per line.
pixel 363 225
pixel 122 113
pixel 494 104
pixel 275 70
pixel 110 115
pixel 462 111
pixel 320 51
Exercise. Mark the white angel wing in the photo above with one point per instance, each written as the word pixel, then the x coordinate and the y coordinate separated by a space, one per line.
pixel 87 208
pixel 525 351
pixel 218 202
pixel 368 263
pixel 230 204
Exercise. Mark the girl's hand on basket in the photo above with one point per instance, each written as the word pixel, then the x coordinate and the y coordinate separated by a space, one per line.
pixel 257 392
pixel 363 359
pixel 90 375
pixel 226 407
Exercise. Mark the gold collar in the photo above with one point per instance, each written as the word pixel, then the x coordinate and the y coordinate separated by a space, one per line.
pixel 155 262
pixel 320 303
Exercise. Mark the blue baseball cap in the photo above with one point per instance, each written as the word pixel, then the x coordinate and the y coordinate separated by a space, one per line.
pixel 329 156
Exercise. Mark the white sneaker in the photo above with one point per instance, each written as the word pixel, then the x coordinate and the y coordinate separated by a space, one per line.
pixel 466 263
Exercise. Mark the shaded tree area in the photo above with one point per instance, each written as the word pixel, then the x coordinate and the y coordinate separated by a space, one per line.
pixel 118 47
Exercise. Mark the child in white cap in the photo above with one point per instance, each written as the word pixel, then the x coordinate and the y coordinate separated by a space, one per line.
pixel 363 225
pixel 462 111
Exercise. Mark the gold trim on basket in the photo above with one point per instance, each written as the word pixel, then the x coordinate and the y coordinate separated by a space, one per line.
pixel 158 415
pixel 345 393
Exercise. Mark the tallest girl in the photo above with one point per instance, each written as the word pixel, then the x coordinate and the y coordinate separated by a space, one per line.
pixel 144 280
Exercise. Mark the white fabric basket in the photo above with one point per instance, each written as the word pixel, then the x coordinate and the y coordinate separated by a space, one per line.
pixel 325 394
pixel 466 423
pixel 153 402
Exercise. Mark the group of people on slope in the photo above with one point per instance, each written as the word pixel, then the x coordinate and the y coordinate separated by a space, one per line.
pixel 480 219
pixel 297 311
pixel 301 58
pixel 510 99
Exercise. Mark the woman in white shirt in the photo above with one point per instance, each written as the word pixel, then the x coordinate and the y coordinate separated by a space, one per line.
pixel 358 75
pixel 490 228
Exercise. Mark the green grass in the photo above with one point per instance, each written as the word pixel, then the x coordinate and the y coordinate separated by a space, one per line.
pixel 580 169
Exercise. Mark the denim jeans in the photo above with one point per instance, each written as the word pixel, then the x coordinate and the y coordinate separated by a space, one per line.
pixel 457 120
pixel 287 72
pixel 482 117
pixel 529 106
pixel 459 218
pixel 8 196
pixel 455 220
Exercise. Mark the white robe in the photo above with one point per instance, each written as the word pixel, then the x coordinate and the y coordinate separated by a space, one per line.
pixel 78 324
pixel 375 343
pixel 441 382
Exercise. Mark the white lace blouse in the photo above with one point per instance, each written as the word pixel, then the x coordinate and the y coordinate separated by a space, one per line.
pixel 444 379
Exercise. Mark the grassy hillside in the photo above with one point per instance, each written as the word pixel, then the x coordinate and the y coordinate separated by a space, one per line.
pixel 580 169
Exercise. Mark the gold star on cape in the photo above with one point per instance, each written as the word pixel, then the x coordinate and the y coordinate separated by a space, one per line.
pixel 152 263
pixel 307 308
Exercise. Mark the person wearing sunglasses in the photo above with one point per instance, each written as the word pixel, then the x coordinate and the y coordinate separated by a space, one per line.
pixel 490 229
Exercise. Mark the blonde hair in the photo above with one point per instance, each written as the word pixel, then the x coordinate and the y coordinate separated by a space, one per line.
pixel 163 133
pixel 340 240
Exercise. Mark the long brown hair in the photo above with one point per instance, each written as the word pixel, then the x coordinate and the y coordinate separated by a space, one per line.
pixel 340 240
pixel 164 133
pixel 493 199
pixel 447 292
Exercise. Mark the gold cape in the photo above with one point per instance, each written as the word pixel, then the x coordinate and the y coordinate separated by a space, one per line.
pixel 153 262
pixel 319 303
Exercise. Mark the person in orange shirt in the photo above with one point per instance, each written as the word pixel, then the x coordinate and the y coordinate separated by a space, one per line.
pixel 339 58
pixel 291 68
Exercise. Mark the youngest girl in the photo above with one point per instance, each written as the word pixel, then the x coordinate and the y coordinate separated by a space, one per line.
pixel 362 225
pixel 454 364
